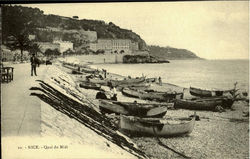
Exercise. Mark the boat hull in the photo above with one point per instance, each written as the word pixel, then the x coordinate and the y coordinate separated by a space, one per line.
pixel 199 92
pixel 158 96
pixel 134 109
pixel 90 86
pixel 207 93
pixel 127 81
pixel 98 81
pixel 147 127
pixel 199 104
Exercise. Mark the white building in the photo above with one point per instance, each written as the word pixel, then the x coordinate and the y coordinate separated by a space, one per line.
pixel 64 45
pixel 112 45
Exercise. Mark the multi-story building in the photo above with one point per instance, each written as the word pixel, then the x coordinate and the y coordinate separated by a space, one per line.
pixel 113 45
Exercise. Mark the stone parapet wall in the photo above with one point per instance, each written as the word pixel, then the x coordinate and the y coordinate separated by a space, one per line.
pixel 106 58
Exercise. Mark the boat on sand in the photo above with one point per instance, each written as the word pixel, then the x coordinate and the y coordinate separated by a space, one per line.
pixel 132 108
pixel 156 126
pixel 128 81
pixel 208 93
pixel 89 85
pixel 151 95
pixel 204 103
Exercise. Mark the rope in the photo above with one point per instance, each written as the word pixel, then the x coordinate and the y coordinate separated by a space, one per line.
pixel 162 144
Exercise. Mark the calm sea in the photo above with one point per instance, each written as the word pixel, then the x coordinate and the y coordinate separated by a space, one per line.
pixel 209 74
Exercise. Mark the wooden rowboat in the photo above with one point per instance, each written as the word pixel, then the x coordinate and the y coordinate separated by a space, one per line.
pixel 158 96
pixel 207 93
pixel 204 103
pixel 127 81
pixel 88 70
pixel 99 81
pixel 156 126
pixel 88 85
pixel 151 80
pixel 135 109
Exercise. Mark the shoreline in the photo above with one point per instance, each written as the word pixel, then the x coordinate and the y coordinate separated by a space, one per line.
pixel 212 127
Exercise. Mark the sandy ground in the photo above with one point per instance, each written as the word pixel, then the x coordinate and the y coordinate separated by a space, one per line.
pixel 216 135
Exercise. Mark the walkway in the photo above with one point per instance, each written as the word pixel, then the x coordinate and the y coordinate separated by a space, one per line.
pixel 20 112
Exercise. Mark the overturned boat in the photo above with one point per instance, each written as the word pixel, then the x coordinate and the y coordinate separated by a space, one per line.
pixel 156 126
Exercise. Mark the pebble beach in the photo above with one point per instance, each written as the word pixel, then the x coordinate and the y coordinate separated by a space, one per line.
pixel 215 135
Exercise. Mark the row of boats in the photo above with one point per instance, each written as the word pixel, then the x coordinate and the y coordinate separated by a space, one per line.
pixel 148 118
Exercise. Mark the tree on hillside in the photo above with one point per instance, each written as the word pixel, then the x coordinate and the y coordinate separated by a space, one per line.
pixel 34 48
pixel 19 42
pixel 50 52
pixel 68 52
pixel 16 27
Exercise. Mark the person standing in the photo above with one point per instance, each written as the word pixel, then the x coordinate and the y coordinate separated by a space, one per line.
pixel 34 62
pixel 113 93
pixel 160 81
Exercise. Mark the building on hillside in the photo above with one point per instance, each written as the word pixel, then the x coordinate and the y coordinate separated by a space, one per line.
pixel 47 45
pixel 64 45
pixel 113 45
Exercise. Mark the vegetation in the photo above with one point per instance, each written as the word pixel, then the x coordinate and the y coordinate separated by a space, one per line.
pixel 68 52
pixel 50 52
pixel 171 53
pixel 19 42
pixel 18 22
pixel 34 48
pixel 15 16
pixel 142 59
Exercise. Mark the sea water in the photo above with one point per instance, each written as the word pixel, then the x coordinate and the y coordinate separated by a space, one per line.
pixel 207 74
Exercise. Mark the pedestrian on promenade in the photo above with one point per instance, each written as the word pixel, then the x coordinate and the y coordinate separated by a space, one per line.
pixel 34 61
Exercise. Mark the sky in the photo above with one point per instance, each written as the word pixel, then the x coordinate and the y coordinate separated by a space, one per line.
pixel 210 29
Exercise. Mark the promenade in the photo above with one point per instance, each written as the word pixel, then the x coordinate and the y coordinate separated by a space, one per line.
pixel 20 112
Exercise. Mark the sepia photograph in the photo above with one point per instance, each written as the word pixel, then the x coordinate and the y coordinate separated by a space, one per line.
pixel 125 80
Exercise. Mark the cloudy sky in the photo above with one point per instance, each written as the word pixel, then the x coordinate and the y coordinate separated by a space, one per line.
pixel 212 30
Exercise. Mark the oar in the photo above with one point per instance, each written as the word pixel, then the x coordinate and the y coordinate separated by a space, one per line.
pixel 160 143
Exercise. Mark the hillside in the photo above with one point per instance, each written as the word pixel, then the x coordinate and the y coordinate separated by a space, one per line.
pixel 171 53
pixel 15 18
pixel 26 20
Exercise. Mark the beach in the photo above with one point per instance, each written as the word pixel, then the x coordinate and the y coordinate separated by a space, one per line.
pixel 215 135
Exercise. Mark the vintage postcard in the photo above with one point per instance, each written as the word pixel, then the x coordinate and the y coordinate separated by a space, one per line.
pixel 125 80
